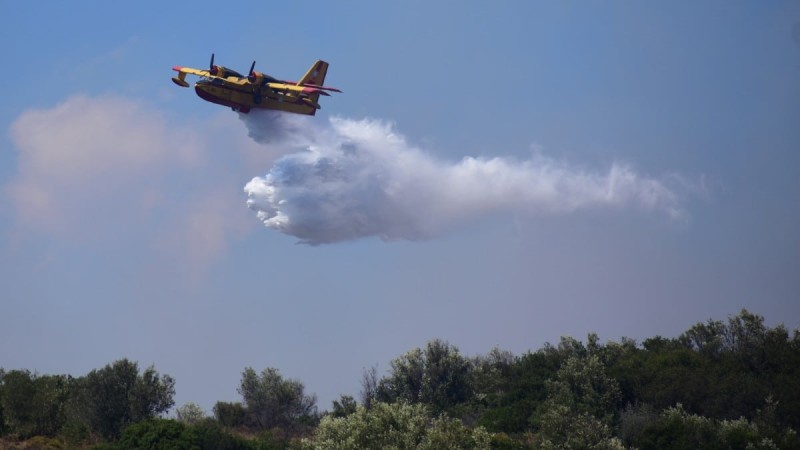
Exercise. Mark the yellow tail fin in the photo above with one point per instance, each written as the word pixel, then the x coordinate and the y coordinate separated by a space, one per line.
pixel 315 75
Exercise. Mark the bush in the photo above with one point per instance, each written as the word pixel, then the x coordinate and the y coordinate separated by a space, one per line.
pixel 230 414
pixel 173 435
pixel 396 425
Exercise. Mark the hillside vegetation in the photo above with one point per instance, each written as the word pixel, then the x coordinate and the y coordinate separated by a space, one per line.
pixel 731 384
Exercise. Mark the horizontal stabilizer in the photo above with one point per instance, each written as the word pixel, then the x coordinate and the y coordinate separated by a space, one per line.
pixel 327 88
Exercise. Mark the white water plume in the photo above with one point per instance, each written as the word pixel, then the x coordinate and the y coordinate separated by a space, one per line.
pixel 358 178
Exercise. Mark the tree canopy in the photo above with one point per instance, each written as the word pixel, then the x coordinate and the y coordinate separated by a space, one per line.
pixel 718 385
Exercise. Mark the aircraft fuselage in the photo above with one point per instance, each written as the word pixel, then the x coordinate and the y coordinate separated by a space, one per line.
pixel 240 96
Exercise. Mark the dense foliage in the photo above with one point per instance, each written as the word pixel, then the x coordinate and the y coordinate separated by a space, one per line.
pixel 719 385
pixel 103 402
pixel 398 425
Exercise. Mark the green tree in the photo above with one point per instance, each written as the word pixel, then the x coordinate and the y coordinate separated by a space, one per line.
pixel 663 373
pixel 580 405
pixel 190 413
pixel 369 386
pixel 438 376
pixel 490 373
pixel 117 395
pixel 343 407
pixel 397 426
pixel 18 389
pixel 706 364
pixel 274 402
pixel 518 390
pixel 230 414
pixel 678 429
pixel 33 404
pixel 166 434
pixel 634 419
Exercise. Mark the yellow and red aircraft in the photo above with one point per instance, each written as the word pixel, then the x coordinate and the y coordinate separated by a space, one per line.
pixel 227 87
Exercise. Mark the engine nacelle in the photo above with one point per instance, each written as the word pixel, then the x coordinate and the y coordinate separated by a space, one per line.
pixel 260 79
pixel 256 77
pixel 223 72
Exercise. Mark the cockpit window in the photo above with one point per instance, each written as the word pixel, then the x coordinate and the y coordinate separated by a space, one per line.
pixel 232 73
pixel 210 80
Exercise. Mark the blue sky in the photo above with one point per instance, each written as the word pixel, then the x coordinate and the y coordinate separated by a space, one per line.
pixel 125 231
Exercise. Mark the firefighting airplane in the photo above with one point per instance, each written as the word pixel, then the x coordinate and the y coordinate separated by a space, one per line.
pixel 227 87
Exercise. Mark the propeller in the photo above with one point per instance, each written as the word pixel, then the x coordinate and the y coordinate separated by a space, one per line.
pixel 211 67
pixel 251 76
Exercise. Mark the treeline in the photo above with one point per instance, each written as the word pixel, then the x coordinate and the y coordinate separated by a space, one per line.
pixel 731 384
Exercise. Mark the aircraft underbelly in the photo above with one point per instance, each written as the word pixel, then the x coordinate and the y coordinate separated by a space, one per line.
pixel 216 95
pixel 244 101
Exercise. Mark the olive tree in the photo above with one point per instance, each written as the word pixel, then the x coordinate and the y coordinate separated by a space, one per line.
pixel 34 404
pixel 397 426
pixel 579 408
pixel 274 402
pixel 437 376
pixel 117 395
pixel 190 413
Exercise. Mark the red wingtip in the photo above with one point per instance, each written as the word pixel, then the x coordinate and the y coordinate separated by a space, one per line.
pixel 177 68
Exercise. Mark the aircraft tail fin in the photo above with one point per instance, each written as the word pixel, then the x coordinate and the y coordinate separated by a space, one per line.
pixel 315 75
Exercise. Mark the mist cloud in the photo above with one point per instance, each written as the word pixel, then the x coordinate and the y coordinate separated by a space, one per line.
pixel 115 173
pixel 359 178
pixel 90 154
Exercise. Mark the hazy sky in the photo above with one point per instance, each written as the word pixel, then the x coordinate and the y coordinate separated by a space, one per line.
pixel 494 174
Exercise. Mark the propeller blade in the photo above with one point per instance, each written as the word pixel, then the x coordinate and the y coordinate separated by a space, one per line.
pixel 211 67
pixel 253 66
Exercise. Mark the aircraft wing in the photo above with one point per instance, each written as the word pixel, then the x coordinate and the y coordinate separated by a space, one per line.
pixel 183 71
pixel 189 70
pixel 294 88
